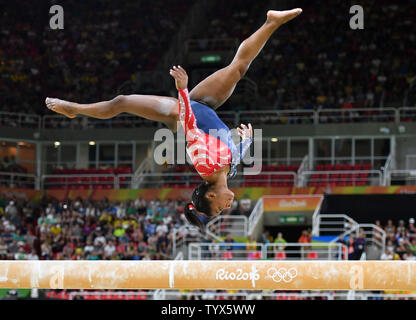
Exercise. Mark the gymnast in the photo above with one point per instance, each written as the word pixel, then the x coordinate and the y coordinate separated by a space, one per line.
pixel 215 157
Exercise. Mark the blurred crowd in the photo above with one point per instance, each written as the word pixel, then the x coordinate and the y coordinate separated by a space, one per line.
pixel 8 165
pixel 316 62
pixel 91 230
pixel 319 62
pixel 400 240
pixel 103 44
pixel 96 230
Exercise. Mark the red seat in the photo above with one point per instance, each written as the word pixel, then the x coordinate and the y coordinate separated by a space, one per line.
pixel 312 255
pixel 227 255
pixel 92 171
pixel 280 255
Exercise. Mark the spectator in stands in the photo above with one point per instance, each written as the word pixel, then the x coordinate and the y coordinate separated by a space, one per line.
pixel 387 255
pixel 266 237
pixel 245 205
pixel 251 247
pixel 11 210
pixel 206 250
pixel 390 229
pixel 228 247
pixel 359 245
pixel 351 248
pixel 390 245
pixel 344 242
pixel 3 249
pixel 402 247
pixel 305 238
pixel 401 229
pixel 412 229
pixel 280 240
pixel 109 249
pixel 412 247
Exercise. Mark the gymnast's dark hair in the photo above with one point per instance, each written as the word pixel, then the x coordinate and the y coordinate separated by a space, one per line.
pixel 199 203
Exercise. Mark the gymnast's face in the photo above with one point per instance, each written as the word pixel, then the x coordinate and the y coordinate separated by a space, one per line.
pixel 221 198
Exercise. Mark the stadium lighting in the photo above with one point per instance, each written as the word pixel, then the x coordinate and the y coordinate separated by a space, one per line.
pixel 211 58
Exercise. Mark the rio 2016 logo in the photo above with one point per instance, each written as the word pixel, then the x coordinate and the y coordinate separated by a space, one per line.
pixel 277 275
pixel 238 275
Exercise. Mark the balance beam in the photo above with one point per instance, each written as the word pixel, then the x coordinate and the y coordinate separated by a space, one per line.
pixel 184 274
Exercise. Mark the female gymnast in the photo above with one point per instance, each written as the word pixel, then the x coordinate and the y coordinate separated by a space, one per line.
pixel 215 157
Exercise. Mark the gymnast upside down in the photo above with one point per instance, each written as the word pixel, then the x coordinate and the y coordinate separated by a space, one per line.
pixel 214 158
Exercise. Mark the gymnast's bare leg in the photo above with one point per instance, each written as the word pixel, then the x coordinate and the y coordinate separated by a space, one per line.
pixel 218 87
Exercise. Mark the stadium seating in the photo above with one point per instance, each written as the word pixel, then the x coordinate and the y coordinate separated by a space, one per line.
pixel 265 179
pixel 309 73
pixel 335 177
pixel 85 179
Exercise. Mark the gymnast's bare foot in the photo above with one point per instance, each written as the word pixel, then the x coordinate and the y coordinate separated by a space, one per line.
pixel 281 17
pixel 66 108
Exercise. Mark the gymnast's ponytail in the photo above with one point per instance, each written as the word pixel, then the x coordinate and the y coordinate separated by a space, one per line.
pixel 199 204
pixel 191 214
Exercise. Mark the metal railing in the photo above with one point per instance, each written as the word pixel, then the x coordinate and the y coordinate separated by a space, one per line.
pixel 410 161
pixel 387 169
pixel 358 115
pixel 266 116
pixel 304 166
pixel 332 224
pixel 20 120
pixel 121 121
pixel 407 114
pixel 255 216
pixel 270 251
pixel 18 180
pixel 182 237
pixel 373 234
pixel 306 251
pixel 277 117
pixel 190 179
pixel 75 180
pixel 222 225
pixel 349 177
pixel 402 177
pixel 138 176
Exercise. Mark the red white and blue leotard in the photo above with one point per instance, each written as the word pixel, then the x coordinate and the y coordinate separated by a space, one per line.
pixel 210 145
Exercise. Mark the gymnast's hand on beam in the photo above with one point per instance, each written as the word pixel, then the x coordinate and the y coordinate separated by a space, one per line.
pixel 180 76
pixel 245 131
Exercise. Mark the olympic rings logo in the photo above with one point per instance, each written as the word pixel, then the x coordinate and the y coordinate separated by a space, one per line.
pixel 282 274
